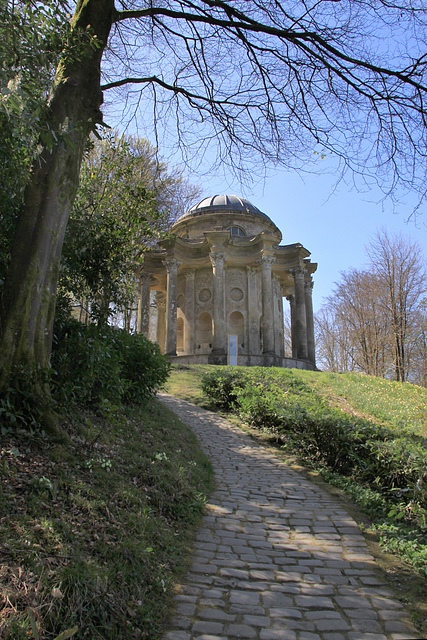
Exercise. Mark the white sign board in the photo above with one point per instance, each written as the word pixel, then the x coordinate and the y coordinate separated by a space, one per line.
pixel 232 350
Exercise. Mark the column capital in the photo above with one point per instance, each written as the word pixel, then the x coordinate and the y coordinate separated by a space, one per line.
pixel 172 264
pixel 298 272
pixel 217 259
pixel 252 270
pixel 143 276
pixel 309 284
pixel 266 261
pixel 160 298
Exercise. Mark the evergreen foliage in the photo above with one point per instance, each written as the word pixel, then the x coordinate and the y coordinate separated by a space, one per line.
pixel 383 458
pixel 96 365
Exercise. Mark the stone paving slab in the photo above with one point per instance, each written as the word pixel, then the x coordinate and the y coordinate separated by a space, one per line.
pixel 276 557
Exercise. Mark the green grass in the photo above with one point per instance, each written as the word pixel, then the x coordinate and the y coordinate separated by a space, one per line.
pixel 395 404
pixel 184 382
pixel 95 531
pixel 362 434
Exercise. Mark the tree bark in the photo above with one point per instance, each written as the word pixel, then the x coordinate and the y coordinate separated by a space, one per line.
pixel 28 301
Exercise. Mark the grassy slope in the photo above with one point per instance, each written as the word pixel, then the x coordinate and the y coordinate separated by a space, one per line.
pixel 95 531
pixel 390 403
pixel 381 402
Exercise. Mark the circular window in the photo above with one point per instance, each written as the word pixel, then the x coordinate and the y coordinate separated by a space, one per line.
pixel 205 295
pixel 236 294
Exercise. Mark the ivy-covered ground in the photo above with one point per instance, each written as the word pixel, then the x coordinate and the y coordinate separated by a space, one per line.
pixel 94 530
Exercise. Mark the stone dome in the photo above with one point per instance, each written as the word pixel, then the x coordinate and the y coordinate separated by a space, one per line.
pixel 223 204
pixel 223 213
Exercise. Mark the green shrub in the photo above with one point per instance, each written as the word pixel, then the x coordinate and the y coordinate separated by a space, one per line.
pixel 220 386
pixel 258 407
pixel 86 364
pixel 20 406
pixel 94 364
pixel 143 367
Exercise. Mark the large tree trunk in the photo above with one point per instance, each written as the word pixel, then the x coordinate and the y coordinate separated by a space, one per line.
pixel 28 302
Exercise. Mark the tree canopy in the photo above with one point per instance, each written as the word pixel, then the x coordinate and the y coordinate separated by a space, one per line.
pixel 267 81
pixel 127 199
pixel 260 80
pixel 30 44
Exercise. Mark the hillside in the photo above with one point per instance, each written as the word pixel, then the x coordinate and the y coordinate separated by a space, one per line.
pixel 364 435
pixel 382 401
pixel 396 404
pixel 95 529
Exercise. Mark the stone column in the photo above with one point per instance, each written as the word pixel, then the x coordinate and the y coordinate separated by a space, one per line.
pixel 278 321
pixel 161 320
pixel 253 319
pixel 281 325
pixel 189 323
pixel 219 345
pixel 267 304
pixel 172 277
pixel 143 318
pixel 311 353
pixel 300 315
pixel 291 300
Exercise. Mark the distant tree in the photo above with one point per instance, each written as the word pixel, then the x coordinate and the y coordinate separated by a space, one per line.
pixel 419 354
pixel 127 198
pixel 262 81
pixel 374 315
pixel 334 349
pixel 359 308
pixel 399 265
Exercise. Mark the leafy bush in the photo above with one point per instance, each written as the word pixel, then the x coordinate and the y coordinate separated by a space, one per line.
pixel 86 364
pixel 96 364
pixel 20 407
pixel 144 369
pixel 220 385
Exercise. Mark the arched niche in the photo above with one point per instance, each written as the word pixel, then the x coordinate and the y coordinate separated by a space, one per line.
pixel 180 334
pixel 236 326
pixel 204 333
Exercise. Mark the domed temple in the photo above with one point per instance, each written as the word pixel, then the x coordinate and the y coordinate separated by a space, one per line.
pixel 219 284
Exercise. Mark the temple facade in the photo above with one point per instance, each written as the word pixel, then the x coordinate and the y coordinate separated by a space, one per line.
pixel 219 286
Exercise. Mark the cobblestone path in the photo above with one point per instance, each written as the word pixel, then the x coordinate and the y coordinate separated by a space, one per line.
pixel 276 557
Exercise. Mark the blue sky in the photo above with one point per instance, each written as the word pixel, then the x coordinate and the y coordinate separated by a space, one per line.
pixel 334 223
pixel 334 226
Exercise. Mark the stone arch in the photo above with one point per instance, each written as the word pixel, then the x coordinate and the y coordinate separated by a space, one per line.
pixel 236 326
pixel 204 333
